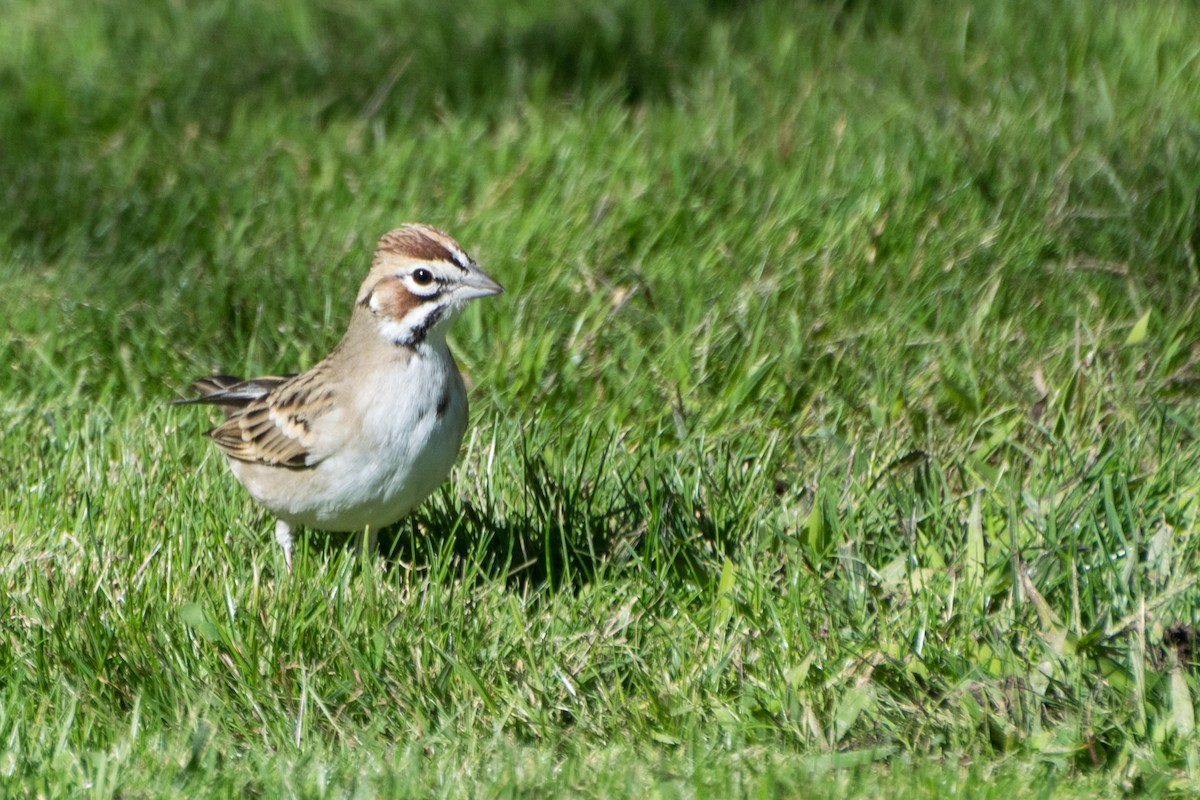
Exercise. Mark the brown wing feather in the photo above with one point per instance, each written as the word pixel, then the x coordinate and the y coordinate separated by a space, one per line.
pixel 229 393
pixel 276 428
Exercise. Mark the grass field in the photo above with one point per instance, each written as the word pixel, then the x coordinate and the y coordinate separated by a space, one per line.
pixel 836 435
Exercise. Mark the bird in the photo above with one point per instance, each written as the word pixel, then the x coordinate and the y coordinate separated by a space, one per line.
pixel 363 437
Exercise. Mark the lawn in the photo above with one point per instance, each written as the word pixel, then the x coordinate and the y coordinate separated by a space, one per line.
pixel 836 435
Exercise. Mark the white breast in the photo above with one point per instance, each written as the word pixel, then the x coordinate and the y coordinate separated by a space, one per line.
pixel 396 448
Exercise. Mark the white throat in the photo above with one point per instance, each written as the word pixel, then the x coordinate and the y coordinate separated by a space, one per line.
pixel 426 323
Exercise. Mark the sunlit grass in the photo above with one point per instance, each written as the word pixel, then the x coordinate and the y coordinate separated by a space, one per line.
pixel 835 436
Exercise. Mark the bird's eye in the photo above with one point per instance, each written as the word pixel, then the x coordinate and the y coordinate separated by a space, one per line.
pixel 423 276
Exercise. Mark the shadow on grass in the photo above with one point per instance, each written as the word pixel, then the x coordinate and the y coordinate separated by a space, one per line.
pixel 561 532
pixel 607 509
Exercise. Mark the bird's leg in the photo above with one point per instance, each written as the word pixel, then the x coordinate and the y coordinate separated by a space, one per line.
pixel 283 535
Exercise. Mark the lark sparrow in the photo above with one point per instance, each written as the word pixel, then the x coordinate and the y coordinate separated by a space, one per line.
pixel 363 437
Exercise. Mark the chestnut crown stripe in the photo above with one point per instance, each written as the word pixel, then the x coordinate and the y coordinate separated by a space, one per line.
pixel 424 243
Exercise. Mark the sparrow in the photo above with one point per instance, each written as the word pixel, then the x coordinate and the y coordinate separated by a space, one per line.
pixel 362 438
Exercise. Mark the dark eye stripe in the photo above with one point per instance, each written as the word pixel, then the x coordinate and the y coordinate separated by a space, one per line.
pixel 459 259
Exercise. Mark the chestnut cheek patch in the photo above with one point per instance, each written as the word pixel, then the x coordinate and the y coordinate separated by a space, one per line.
pixel 392 299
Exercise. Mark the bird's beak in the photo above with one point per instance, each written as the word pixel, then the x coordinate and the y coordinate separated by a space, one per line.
pixel 478 284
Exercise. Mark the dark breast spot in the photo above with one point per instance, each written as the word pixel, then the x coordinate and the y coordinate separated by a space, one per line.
pixel 443 404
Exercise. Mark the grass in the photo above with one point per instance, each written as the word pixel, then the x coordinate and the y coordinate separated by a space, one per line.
pixel 836 437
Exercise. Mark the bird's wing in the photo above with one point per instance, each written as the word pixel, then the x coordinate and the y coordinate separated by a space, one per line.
pixel 229 392
pixel 269 419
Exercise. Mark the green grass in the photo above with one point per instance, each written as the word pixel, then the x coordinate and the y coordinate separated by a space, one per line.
pixel 837 435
